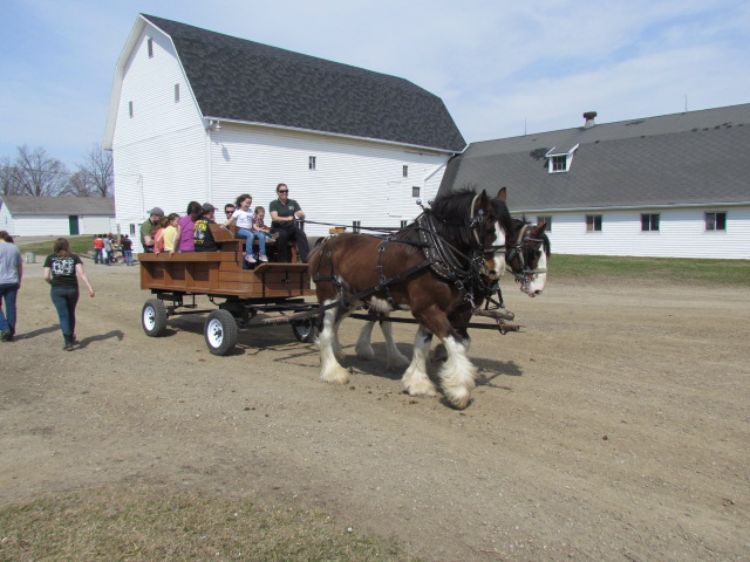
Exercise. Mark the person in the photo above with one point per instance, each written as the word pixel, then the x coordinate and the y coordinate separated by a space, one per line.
pixel 98 247
pixel 229 209
pixel 259 226
pixel 186 225
pixel 202 237
pixel 11 274
pixel 159 235
pixel 127 250
pixel 62 270
pixel 243 219
pixel 107 251
pixel 170 235
pixel 147 228
pixel 286 220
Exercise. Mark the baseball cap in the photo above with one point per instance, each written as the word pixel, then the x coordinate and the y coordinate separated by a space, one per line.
pixel 207 207
pixel 156 211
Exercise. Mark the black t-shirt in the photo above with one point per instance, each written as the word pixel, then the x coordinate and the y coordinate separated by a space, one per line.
pixel 126 243
pixel 63 270
pixel 202 237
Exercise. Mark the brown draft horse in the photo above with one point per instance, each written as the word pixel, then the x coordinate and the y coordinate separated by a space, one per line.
pixel 525 249
pixel 351 270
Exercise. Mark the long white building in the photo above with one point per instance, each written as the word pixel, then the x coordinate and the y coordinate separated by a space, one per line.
pixel 197 115
pixel 667 186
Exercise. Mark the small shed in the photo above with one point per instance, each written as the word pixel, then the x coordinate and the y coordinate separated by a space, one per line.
pixel 63 216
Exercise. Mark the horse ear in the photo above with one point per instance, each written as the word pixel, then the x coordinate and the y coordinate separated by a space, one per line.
pixel 502 194
pixel 541 226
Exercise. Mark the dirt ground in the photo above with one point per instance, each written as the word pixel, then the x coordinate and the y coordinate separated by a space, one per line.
pixel 615 427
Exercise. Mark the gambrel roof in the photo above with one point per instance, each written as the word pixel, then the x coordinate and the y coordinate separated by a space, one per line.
pixel 239 80
pixel 683 159
pixel 87 206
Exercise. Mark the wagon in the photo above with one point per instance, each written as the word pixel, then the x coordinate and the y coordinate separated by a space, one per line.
pixel 277 290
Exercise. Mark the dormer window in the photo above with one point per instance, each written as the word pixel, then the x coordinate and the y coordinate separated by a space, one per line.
pixel 559 160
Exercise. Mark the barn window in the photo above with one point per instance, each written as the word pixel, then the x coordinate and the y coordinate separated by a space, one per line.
pixel 130 109
pixel 311 163
pixel 593 223
pixel 716 221
pixel 176 93
pixel 132 229
pixel 405 171
pixel 415 191
pixel 150 45
pixel 649 222
pixel 559 163
pixel 547 221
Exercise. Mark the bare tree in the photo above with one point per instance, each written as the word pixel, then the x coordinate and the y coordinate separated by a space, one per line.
pixel 78 185
pixel 38 174
pixel 98 171
pixel 8 178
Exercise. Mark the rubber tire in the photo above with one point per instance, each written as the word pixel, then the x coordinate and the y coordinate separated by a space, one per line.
pixel 220 332
pixel 305 330
pixel 156 322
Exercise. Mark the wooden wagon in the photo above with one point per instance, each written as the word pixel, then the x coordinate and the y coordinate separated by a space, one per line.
pixel 240 294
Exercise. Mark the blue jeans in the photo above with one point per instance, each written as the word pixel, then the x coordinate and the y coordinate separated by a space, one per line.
pixel 8 320
pixel 249 236
pixel 65 300
pixel 128 255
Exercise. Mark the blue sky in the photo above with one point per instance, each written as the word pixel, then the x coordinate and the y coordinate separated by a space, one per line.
pixel 501 68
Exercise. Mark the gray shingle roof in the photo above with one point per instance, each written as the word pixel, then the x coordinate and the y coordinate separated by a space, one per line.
pixel 692 158
pixel 242 80
pixel 22 206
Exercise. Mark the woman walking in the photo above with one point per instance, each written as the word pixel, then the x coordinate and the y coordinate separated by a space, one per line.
pixel 61 270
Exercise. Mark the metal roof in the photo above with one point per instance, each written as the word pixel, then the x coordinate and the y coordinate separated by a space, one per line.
pixel 693 158
pixel 23 206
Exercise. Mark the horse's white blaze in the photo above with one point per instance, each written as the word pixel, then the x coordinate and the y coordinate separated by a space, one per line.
pixel 364 348
pixel 415 380
pixel 330 369
pixel 536 286
pixel 457 374
pixel 394 359
pixel 499 256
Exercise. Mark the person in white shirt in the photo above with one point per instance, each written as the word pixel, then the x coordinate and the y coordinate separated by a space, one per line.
pixel 243 219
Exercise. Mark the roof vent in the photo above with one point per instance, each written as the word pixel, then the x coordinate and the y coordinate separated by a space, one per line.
pixel 589 116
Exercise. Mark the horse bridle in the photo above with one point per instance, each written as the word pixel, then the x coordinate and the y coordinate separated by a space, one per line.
pixel 525 275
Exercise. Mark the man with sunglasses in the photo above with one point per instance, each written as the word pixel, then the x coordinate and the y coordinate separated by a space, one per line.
pixel 286 220
pixel 229 209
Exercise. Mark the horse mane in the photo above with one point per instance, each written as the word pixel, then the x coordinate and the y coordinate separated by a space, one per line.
pixel 452 211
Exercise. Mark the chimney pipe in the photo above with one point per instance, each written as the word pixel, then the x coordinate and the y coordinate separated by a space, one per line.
pixel 589 116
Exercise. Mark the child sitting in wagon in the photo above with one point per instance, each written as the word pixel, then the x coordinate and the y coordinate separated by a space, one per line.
pixel 259 226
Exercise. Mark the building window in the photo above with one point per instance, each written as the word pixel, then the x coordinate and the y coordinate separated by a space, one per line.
pixel 593 223
pixel 405 171
pixel 415 191
pixel 649 222
pixel 132 229
pixel 559 163
pixel 176 93
pixel 311 163
pixel 547 221
pixel 716 221
pixel 150 45
pixel 130 109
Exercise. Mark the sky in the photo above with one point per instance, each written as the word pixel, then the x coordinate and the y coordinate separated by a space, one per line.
pixel 503 69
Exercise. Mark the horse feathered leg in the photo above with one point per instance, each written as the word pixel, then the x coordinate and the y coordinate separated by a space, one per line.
pixel 457 374
pixel 364 347
pixel 394 359
pixel 330 369
pixel 415 380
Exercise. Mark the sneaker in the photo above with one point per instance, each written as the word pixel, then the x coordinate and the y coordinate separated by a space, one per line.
pixel 263 258
pixel 249 259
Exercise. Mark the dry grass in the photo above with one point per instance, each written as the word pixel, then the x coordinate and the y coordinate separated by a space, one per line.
pixel 154 523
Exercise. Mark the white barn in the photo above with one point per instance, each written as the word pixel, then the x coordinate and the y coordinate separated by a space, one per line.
pixel 197 115
pixel 667 186
pixel 57 216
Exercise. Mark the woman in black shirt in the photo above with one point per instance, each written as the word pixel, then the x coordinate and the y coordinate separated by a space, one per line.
pixel 61 270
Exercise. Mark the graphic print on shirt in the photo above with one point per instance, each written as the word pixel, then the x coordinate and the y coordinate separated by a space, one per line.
pixel 65 266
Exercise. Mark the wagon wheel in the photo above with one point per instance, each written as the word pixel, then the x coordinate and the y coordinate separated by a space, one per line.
pixel 220 332
pixel 154 317
pixel 305 330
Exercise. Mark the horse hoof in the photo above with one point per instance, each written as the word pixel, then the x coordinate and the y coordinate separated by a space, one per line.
pixel 397 362
pixel 337 375
pixel 459 398
pixel 424 388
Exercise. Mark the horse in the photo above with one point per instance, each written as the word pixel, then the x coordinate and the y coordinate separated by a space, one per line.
pixel 526 248
pixel 434 266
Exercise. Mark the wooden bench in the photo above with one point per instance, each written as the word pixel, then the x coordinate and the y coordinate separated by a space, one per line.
pixel 226 239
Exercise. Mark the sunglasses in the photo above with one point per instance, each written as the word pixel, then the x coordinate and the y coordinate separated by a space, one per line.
pixel 283 191
pixel 229 211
